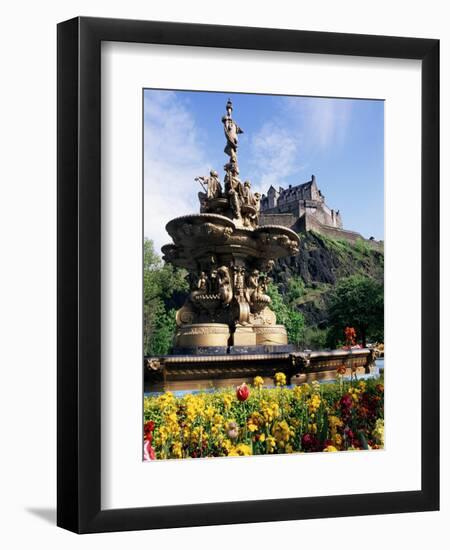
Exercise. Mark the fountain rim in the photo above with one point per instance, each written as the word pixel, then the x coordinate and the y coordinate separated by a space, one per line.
pixel 230 223
pixel 204 216
pixel 278 228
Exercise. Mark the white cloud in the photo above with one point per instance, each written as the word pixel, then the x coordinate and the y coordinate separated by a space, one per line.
pixel 274 153
pixel 322 121
pixel 173 157
pixel 300 127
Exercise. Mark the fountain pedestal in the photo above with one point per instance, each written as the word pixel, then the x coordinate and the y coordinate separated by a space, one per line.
pixel 244 336
pixel 202 335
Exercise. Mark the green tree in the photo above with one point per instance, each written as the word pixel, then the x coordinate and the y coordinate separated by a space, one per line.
pixel 358 302
pixel 161 281
pixel 315 337
pixel 288 316
pixel 165 327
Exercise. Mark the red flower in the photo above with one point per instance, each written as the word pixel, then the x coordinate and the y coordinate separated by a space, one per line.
pixel 148 429
pixel 346 401
pixel 350 336
pixel 309 442
pixel 349 433
pixel 149 452
pixel 363 412
pixel 242 392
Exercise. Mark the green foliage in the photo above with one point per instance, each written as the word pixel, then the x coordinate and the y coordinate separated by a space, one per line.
pixel 340 247
pixel 163 334
pixel 315 338
pixel 295 290
pixel 292 319
pixel 358 301
pixel 161 281
pixel 362 247
pixel 358 251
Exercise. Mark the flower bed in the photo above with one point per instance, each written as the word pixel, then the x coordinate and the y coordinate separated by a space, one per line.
pixel 253 420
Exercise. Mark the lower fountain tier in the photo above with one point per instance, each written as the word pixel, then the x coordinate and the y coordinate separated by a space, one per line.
pixel 198 372
pixel 218 335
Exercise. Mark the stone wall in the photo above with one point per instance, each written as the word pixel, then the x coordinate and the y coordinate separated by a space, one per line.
pixel 287 220
pixel 297 208
pixel 309 222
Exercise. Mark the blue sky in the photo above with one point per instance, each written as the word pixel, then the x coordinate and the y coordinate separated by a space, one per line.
pixel 285 141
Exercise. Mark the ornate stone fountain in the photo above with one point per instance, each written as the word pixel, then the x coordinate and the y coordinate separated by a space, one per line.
pixel 228 257
pixel 226 331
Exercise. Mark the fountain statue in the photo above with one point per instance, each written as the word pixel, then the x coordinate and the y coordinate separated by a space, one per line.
pixel 228 257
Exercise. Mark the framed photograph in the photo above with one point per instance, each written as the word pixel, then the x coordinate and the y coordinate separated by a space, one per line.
pixel 248 229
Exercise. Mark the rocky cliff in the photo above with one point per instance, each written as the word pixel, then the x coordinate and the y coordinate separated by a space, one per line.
pixel 320 263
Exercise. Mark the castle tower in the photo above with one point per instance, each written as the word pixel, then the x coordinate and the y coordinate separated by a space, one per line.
pixel 272 197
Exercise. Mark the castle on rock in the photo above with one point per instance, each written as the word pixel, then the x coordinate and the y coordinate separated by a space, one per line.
pixel 302 208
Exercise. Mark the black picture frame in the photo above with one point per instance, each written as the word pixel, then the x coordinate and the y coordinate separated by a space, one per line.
pixel 79 281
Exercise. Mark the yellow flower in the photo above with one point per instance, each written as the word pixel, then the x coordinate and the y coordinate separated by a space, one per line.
pixel 227 445
pixel 177 450
pixel 210 412
pixel 255 421
pixel 240 450
pixel 258 382
pixel 314 403
pixel 227 400
pixel 330 449
pixel 354 393
pixel 271 444
pixel 172 418
pixel 269 411
pixel 301 391
pixel 280 379
pixel 282 431
pixel 295 422
pixel 215 431
pixel 378 431
pixel 335 422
